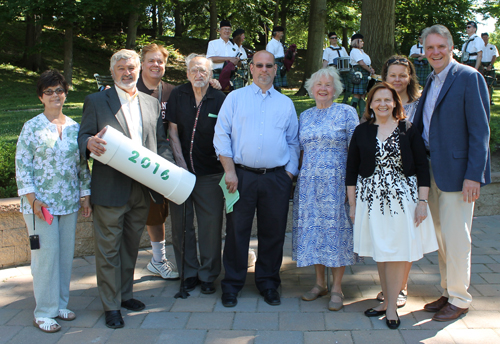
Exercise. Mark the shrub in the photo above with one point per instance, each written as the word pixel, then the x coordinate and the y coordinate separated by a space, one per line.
pixel 8 187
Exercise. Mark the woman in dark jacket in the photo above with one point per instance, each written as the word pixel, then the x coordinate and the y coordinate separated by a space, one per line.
pixel 387 185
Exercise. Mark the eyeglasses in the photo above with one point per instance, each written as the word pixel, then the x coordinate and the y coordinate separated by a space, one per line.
pixel 50 92
pixel 261 65
pixel 469 26
pixel 333 37
pixel 398 61
pixel 195 71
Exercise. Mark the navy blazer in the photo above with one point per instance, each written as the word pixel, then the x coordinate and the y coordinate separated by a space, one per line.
pixel 459 132
pixel 363 148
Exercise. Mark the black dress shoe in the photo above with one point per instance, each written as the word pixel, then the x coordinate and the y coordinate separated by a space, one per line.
pixel 114 319
pixel 393 324
pixel 133 305
pixel 190 283
pixel 271 296
pixel 373 313
pixel 207 287
pixel 229 299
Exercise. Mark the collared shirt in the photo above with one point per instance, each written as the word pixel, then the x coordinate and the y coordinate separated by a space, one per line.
pixel 417 49
pixel 437 82
pixel 474 44
pixel 51 166
pixel 197 148
pixel 132 112
pixel 329 54
pixel 256 131
pixel 359 55
pixel 489 51
pixel 166 88
pixel 243 53
pixel 218 47
pixel 276 48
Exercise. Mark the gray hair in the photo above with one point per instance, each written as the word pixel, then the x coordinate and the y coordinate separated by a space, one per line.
pixel 328 72
pixel 438 30
pixel 193 55
pixel 355 43
pixel 124 54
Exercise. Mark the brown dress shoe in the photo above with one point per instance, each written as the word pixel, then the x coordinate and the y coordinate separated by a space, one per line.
pixel 436 306
pixel 449 312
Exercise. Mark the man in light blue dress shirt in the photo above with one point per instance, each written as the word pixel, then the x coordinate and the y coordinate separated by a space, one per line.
pixel 256 140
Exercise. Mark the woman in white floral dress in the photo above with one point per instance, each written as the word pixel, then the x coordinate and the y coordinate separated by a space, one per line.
pixel 51 174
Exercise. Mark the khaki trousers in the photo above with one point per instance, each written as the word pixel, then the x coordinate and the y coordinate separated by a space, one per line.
pixel 453 220
pixel 117 232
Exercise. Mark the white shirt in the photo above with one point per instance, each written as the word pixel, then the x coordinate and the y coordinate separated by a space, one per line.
pixel 132 112
pixel 417 49
pixel 218 47
pixel 276 48
pixel 489 51
pixel 475 45
pixel 329 54
pixel 358 55
pixel 243 55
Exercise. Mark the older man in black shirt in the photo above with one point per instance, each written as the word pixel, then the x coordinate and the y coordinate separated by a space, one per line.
pixel 192 113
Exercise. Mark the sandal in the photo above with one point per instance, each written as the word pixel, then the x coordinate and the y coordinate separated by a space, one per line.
pixel 336 306
pixel 380 297
pixel 66 314
pixel 310 295
pixel 48 325
pixel 401 301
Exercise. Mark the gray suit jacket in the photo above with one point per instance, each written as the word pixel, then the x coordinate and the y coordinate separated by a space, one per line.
pixel 110 187
pixel 459 132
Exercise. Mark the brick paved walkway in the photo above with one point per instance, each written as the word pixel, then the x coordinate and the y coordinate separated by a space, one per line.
pixel 202 319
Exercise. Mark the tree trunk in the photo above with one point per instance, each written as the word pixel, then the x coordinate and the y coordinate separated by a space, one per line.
pixel 160 19
pixel 32 56
pixel 179 25
pixel 132 30
pixel 378 26
pixel 345 38
pixel 213 20
pixel 283 13
pixel 68 54
pixel 317 17
pixel 276 12
pixel 154 19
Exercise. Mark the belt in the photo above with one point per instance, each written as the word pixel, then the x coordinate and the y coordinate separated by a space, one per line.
pixel 279 59
pixel 259 170
pixel 218 70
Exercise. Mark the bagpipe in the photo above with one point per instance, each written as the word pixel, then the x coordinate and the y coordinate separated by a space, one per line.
pixel 289 59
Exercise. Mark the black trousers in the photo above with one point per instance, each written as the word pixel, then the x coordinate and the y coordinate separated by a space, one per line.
pixel 269 194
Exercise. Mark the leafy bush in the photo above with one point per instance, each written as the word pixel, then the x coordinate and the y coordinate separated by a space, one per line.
pixel 8 187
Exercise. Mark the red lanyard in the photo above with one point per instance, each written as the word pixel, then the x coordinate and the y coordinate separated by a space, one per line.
pixel 192 135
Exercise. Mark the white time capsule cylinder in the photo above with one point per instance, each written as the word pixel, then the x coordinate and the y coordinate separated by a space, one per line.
pixel 146 167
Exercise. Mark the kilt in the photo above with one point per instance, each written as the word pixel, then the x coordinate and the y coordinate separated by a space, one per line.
pixel 239 81
pixel 490 74
pixel 471 63
pixel 216 73
pixel 345 77
pixel 361 88
pixel 422 72
pixel 280 81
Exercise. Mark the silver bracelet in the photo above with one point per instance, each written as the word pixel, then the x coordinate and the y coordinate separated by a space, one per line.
pixel 423 200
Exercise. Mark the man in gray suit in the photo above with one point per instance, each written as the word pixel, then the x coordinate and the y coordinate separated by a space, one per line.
pixel 453 115
pixel 120 203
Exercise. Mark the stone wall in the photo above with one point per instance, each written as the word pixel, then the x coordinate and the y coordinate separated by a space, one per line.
pixel 14 244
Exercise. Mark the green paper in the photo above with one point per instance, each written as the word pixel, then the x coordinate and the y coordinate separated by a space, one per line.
pixel 231 198
pixel 212 115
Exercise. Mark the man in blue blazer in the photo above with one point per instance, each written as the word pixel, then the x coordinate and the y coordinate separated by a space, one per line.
pixel 453 115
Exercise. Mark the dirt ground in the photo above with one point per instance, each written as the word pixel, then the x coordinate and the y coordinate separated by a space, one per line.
pixel 495 161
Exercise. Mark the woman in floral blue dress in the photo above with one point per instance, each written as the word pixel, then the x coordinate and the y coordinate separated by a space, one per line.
pixel 322 230
pixel 50 174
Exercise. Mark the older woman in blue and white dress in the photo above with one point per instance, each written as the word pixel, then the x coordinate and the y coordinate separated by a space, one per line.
pixel 50 174
pixel 322 230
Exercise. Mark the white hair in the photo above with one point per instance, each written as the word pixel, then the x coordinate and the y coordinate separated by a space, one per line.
pixel 328 72
pixel 193 55
pixel 124 54
pixel 438 30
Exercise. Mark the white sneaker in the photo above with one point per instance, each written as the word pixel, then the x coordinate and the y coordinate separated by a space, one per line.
pixel 166 269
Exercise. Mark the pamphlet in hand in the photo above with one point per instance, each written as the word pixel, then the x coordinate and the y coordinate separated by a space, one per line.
pixel 231 198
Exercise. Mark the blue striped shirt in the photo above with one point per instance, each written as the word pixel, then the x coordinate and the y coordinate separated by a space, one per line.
pixel 258 130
